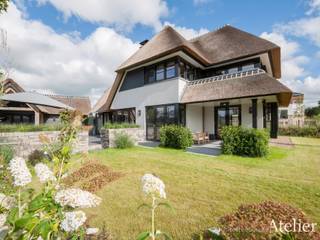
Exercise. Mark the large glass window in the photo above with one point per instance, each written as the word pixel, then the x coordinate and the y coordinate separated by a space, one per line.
pixel 160 72
pixel 170 70
pixel 151 75
pixel 158 116
pixel 124 116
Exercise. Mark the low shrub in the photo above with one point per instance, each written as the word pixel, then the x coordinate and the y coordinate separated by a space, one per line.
pixel 36 156
pixel 120 125
pixel 312 131
pixel 245 141
pixel 175 136
pixel 29 127
pixel 123 140
pixel 6 153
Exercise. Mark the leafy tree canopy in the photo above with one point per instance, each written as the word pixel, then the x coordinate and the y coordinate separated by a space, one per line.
pixel 313 111
pixel 4 5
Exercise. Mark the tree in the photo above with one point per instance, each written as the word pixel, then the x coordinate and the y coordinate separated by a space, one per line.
pixel 4 5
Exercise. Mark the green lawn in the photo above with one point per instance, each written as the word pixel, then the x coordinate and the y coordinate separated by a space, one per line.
pixel 201 188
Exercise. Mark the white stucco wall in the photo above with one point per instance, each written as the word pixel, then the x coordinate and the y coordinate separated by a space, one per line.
pixel 164 92
pixel 246 117
pixel 194 118
pixel 209 119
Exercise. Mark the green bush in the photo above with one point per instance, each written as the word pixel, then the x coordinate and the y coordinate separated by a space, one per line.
pixel 300 131
pixel 120 125
pixel 36 156
pixel 6 153
pixel 175 136
pixel 29 127
pixel 123 140
pixel 245 141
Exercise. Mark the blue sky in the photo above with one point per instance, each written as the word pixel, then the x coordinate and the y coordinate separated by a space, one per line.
pixel 73 47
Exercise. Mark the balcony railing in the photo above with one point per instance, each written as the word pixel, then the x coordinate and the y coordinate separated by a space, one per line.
pixel 254 71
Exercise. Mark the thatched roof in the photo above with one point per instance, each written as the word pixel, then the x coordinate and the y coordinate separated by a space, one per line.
pixel 249 86
pixel 101 101
pixel 225 44
pixel 81 104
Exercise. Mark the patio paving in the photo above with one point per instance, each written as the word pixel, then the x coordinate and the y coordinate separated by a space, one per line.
pixel 212 148
pixel 281 141
pixel 94 143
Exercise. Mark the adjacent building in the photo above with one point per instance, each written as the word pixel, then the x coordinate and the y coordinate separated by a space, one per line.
pixel 12 112
pixel 293 115
pixel 224 77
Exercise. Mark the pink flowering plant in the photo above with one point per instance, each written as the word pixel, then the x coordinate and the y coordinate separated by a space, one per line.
pixel 55 212
pixel 154 188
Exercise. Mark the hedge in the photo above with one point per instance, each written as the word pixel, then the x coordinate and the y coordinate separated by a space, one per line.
pixel 300 131
pixel 29 127
pixel 245 141
pixel 175 136
pixel 120 125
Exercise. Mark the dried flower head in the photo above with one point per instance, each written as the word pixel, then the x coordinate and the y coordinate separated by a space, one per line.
pixel 152 185
pixel 44 173
pixel 7 202
pixel 73 221
pixel 77 198
pixel 92 231
pixel 44 139
pixel 20 172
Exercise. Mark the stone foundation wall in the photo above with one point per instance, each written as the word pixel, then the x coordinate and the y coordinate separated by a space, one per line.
pixel 108 136
pixel 25 143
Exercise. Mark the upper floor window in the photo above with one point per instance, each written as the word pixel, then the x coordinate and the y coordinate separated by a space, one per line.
pixel 160 72
pixel 150 75
pixel 186 71
pixel 247 67
pixel 171 70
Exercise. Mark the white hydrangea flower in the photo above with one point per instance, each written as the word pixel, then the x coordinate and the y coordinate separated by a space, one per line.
pixel 7 202
pixel 77 198
pixel 20 172
pixel 3 219
pixel 152 185
pixel 92 231
pixel 44 173
pixel 73 220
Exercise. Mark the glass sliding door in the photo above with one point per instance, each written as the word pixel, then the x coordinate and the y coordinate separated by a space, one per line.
pixel 226 116
pixel 157 116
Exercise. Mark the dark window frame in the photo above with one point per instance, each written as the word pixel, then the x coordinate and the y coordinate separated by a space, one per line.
pixel 153 67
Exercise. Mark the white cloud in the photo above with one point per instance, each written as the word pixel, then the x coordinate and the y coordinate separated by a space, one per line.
pixel 65 64
pixel 292 62
pixel 305 27
pixel 187 33
pixel 294 74
pixel 314 6
pixel 122 13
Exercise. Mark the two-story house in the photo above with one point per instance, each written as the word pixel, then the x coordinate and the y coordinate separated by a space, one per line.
pixel 224 77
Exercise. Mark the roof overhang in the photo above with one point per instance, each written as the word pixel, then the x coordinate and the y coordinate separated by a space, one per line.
pixel 34 98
